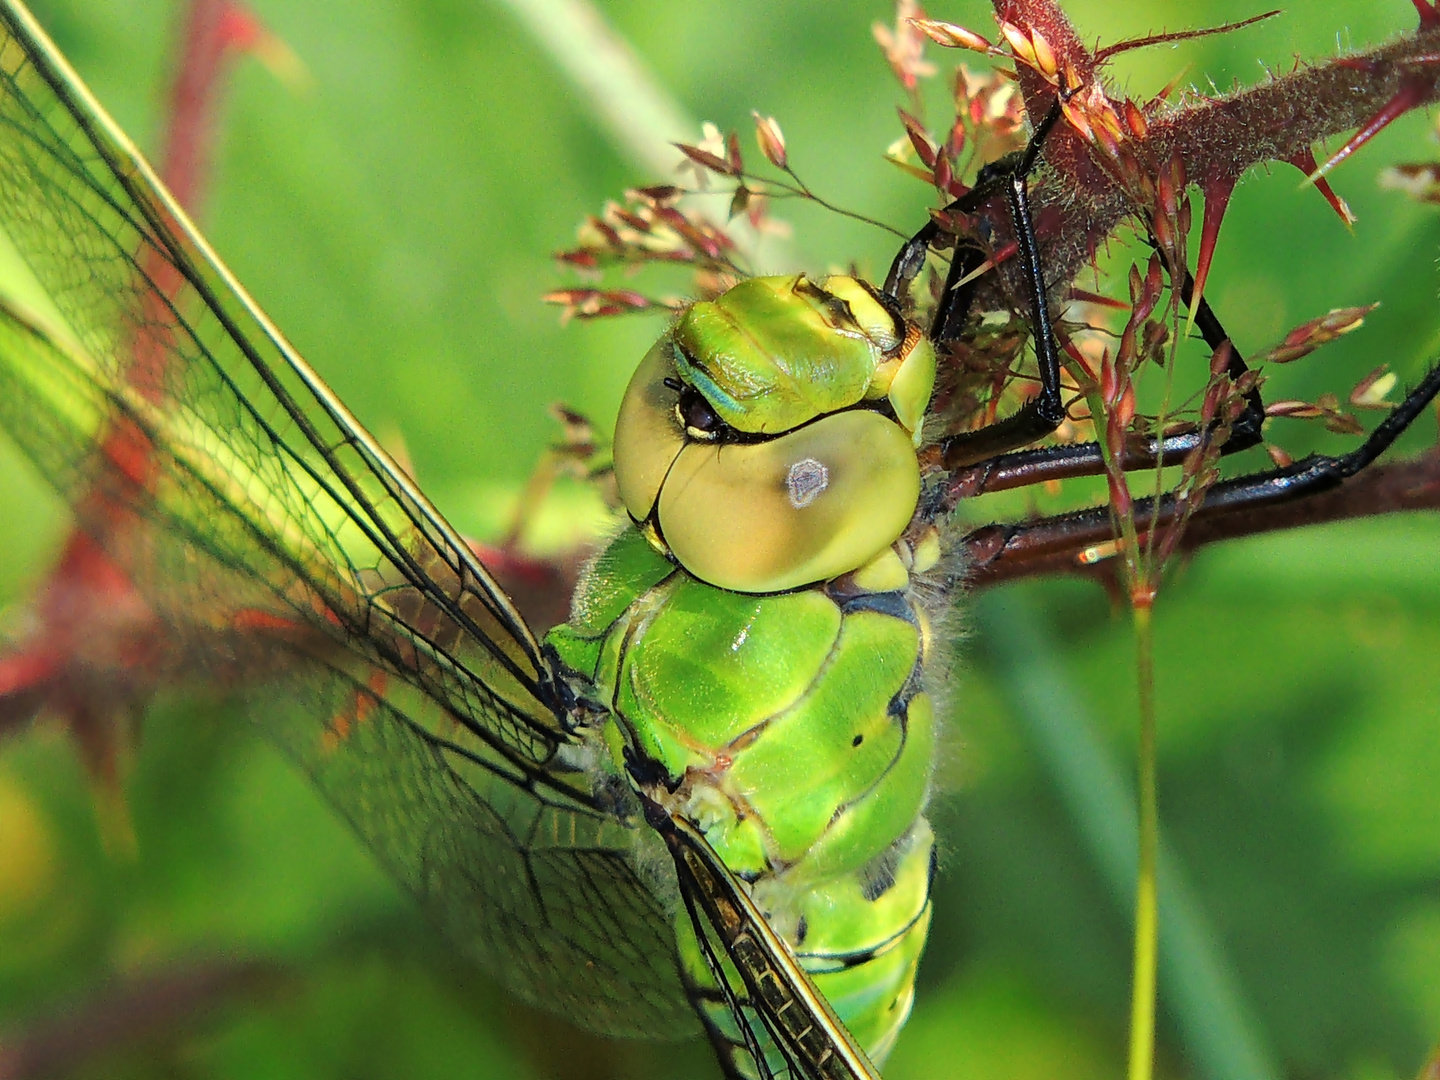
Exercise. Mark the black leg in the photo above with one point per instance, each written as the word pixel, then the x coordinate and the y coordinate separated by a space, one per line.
pixel 1036 465
pixel 994 453
pixel 1035 542
pixel 910 260
pixel 1320 472
pixel 1043 413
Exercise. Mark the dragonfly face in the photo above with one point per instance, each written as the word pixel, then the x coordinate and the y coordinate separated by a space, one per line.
pixel 983 866
pixel 767 441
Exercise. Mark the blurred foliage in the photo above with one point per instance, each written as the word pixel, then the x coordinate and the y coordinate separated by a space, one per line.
pixel 397 220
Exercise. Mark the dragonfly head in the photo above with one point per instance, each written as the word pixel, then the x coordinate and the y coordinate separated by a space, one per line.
pixel 768 439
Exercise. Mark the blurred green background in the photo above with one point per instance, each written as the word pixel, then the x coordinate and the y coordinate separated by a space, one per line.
pixel 396 220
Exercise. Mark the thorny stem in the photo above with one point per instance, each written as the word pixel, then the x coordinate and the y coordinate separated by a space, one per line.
pixel 1147 907
pixel 1214 138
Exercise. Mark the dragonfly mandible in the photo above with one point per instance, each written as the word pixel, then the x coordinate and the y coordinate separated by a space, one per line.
pixel 313 648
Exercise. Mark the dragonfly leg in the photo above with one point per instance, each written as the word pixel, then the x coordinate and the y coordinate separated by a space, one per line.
pixel 910 259
pixel 994 454
pixel 1022 468
pixel 1009 177
pixel 999 551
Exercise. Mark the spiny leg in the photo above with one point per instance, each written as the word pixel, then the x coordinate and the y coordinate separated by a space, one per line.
pixel 985 451
pixel 1043 413
pixel 910 259
pixel 1040 542
pixel 1036 465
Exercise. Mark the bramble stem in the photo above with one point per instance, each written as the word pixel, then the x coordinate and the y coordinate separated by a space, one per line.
pixel 1147 908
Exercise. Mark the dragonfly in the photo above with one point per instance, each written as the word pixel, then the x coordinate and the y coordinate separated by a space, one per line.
pixel 420 575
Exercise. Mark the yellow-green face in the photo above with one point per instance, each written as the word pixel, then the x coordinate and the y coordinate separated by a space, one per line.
pixel 768 439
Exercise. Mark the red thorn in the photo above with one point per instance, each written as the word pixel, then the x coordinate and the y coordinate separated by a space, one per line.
pixel 1099 300
pixel 1073 351
pixel 1217 192
pixel 1305 162
pixel 1411 94
pixel 1429 13
pixel 240 29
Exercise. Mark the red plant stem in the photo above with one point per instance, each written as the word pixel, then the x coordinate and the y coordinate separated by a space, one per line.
pixel 1001 553
pixel 214 32
pixel 87 595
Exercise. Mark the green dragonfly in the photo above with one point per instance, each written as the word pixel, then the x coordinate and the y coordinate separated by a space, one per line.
pixel 211 468
pixel 404 574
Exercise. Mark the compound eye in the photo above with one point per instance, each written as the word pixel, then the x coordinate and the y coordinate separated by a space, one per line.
pixel 649 432
pixel 799 508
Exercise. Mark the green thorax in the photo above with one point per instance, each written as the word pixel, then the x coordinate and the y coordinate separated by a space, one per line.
pixel 794 730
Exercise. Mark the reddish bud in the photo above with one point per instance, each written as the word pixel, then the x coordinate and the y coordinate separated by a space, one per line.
pixel 956 142
pixel 950 36
pixel 771 140
pixel 1125 407
pixel 1281 459
pixel 1109 382
pixel 1044 55
pixel 943 175
pixel 1220 359
pixel 1309 336
pixel 1370 392
pixel 704 158
pixel 656 195
pixel 920 139
pixel 636 222
pixel 1294 409
pixel 1019 43
pixel 1248 382
pixel 732 154
pixel 1211 405
pixel 1135 120
pixel 607 233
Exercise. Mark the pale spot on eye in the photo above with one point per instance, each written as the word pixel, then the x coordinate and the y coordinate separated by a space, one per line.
pixel 806 480
pixel 740 638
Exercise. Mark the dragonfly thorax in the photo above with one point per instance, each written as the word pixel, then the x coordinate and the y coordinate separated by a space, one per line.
pixel 794 731
pixel 767 441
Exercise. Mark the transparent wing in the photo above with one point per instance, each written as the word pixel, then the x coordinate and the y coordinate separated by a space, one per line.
pixel 284 554
pixel 763 1014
